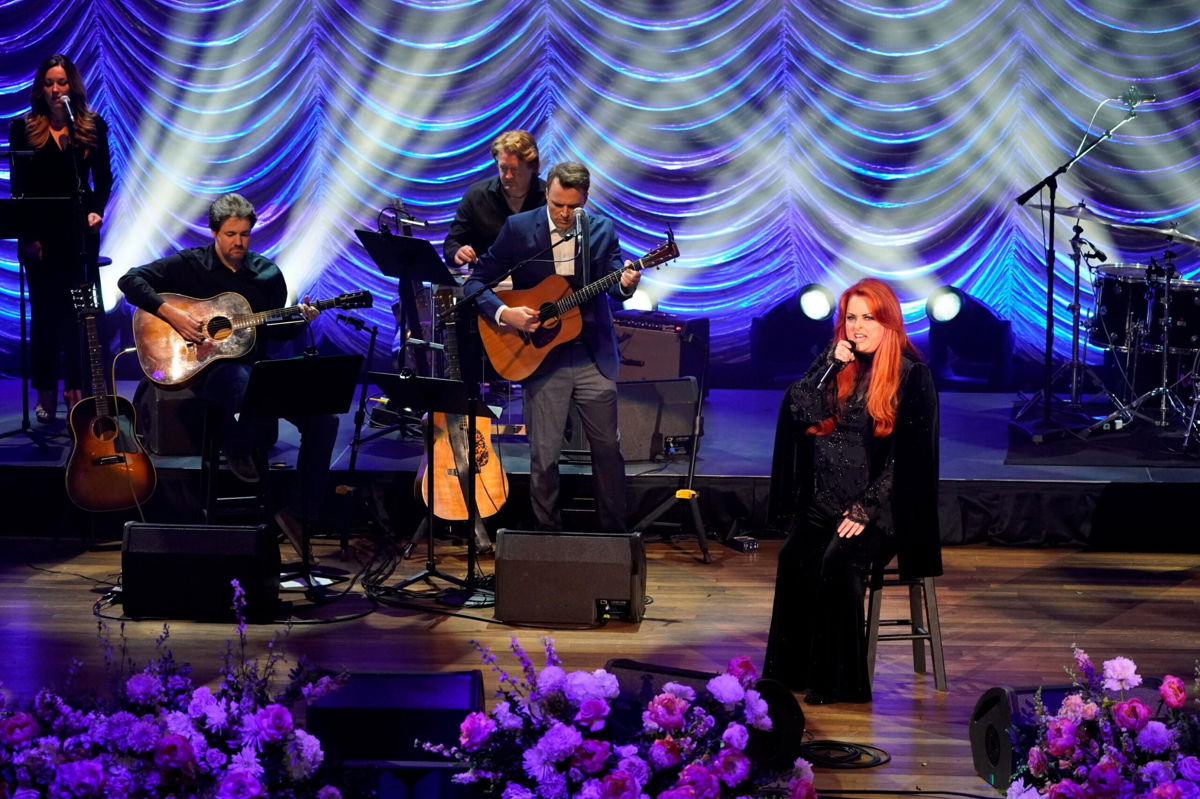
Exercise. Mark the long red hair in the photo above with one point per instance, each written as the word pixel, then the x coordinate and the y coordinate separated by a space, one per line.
pixel 883 392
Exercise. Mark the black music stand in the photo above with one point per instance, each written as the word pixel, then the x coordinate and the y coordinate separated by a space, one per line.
pixel 18 218
pixel 438 395
pixel 309 385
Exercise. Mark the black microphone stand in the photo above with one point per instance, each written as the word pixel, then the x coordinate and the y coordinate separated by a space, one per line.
pixel 1045 426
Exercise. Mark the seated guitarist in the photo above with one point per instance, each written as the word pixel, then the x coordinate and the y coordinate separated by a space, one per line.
pixel 228 265
pixel 583 372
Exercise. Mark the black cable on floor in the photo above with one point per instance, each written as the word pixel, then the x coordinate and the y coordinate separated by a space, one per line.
pixel 843 754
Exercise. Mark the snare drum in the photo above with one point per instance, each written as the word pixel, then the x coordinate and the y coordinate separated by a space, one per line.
pixel 1183 329
pixel 1122 299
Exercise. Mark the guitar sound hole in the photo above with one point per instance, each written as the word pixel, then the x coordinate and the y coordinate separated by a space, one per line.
pixel 104 428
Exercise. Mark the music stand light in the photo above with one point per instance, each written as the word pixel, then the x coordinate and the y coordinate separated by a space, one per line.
pixel 308 385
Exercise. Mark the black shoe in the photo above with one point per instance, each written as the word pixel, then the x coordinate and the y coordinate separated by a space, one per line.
pixel 818 698
pixel 243 468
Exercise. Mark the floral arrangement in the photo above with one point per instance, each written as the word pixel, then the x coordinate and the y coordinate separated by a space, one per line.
pixel 549 735
pixel 161 736
pixel 1105 743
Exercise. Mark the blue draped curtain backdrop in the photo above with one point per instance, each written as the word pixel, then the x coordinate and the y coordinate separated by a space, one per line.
pixel 784 141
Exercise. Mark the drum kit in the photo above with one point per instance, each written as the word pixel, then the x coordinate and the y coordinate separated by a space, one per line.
pixel 1143 314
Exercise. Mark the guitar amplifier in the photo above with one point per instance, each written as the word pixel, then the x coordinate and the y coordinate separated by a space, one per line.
pixel 658 346
pixel 654 417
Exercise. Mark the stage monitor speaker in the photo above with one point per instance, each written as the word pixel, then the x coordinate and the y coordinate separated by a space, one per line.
pixel 638 683
pixel 169 421
pixel 183 571
pixel 569 578
pixel 1003 725
pixel 654 417
pixel 655 346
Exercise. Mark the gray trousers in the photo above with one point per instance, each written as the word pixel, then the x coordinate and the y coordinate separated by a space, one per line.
pixel 569 375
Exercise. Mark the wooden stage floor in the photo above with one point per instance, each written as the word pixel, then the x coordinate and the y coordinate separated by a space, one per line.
pixel 1010 616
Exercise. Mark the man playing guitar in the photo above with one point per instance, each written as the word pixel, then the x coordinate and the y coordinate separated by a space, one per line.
pixel 583 371
pixel 228 265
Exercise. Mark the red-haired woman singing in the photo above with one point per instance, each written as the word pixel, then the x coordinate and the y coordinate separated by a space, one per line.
pixel 856 470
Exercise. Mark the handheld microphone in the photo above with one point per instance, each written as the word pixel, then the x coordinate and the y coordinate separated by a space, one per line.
pixel 834 367
pixel 65 100
pixel 353 321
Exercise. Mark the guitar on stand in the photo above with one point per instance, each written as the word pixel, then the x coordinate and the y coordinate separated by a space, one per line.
pixel 515 354
pixel 452 451
pixel 108 469
pixel 169 359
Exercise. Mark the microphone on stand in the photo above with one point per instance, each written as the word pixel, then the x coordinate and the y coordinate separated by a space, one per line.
pixel 353 321
pixel 1096 252
pixel 581 228
pixel 65 101
pixel 1134 97
pixel 834 367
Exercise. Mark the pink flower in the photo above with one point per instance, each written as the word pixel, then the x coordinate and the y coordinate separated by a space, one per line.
pixel 591 756
pixel 175 752
pixel 1061 737
pixel 19 728
pixel 666 711
pixel 1066 790
pixel 743 668
pixel 665 753
pixel 620 785
pixel 1132 714
pixel 800 788
pixel 1120 674
pixel 1173 692
pixel 731 766
pixel 474 730
pixel 1166 790
pixel 592 713
pixel 273 723
pixel 1036 761
pixel 701 780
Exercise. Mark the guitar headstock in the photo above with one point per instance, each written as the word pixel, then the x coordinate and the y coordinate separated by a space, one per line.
pixel 667 251
pixel 84 299
pixel 354 299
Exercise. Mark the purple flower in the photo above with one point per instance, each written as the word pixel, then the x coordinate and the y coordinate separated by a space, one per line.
pixel 475 730
pixel 1120 674
pixel 685 692
pixel 559 742
pixel 174 752
pixel 1189 768
pixel 552 786
pixel 1104 778
pixel 504 716
pixel 743 668
pixel 620 785
pixel 701 780
pixel 329 792
pixel 735 736
pixel 143 735
pixel 515 790
pixel 240 785
pixel 1084 663
pixel 1155 737
pixel 1061 737
pixel 1173 692
pixel 1158 772
pixel 801 788
pixel 144 689
pixel 78 778
pixel 802 769
pixel 731 766
pixel 592 713
pixel 214 758
pixel 551 678
pixel 272 723
pixel 635 767
pixel 19 728
pixel 1066 789
pixel 756 711
pixel 665 753
pixel 1036 760
pixel 1132 714
pixel 665 712
pixel 682 792
pixel 312 691
pixel 591 756
pixel 726 689
pixel 537 765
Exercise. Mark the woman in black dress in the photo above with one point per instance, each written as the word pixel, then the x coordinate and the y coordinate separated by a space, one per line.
pixel 69 142
pixel 856 470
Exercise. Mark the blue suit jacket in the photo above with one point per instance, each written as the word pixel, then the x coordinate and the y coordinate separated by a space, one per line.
pixel 526 234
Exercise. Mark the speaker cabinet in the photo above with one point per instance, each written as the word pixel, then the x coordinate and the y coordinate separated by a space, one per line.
pixel 656 346
pixel 654 416
pixel 569 578
pixel 183 571
pixel 169 421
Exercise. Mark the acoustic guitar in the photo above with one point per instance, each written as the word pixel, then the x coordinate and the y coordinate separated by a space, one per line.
pixel 451 450
pixel 515 354
pixel 108 469
pixel 169 359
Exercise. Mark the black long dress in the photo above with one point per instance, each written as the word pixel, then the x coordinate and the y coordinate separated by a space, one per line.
pixel 53 326
pixel 817 639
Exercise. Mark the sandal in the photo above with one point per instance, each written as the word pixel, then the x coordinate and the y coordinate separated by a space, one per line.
pixel 43 416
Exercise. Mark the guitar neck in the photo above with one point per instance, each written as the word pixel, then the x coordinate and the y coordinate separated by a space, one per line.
pixel 595 288
pixel 262 317
pixel 99 391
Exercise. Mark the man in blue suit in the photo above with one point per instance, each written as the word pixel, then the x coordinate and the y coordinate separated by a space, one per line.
pixel 582 372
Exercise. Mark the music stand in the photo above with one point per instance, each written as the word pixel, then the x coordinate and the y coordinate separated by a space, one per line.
pixel 438 395
pixel 19 218
pixel 308 385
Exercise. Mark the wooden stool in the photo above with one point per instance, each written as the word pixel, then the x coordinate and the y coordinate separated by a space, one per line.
pixel 922 604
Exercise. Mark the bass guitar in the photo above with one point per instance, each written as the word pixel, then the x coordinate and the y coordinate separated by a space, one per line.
pixel 108 469
pixel 169 359
pixel 452 451
pixel 515 354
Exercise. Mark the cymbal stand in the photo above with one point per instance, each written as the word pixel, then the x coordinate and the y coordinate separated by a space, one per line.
pixel 1076 367
pixel 1193 423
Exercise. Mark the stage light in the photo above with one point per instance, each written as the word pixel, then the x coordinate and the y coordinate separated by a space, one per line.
pixel 944 304
pixel 970 346
pixel 816 302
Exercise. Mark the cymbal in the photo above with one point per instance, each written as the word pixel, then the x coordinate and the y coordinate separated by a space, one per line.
pixel 1169 233
pixel 1078 210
